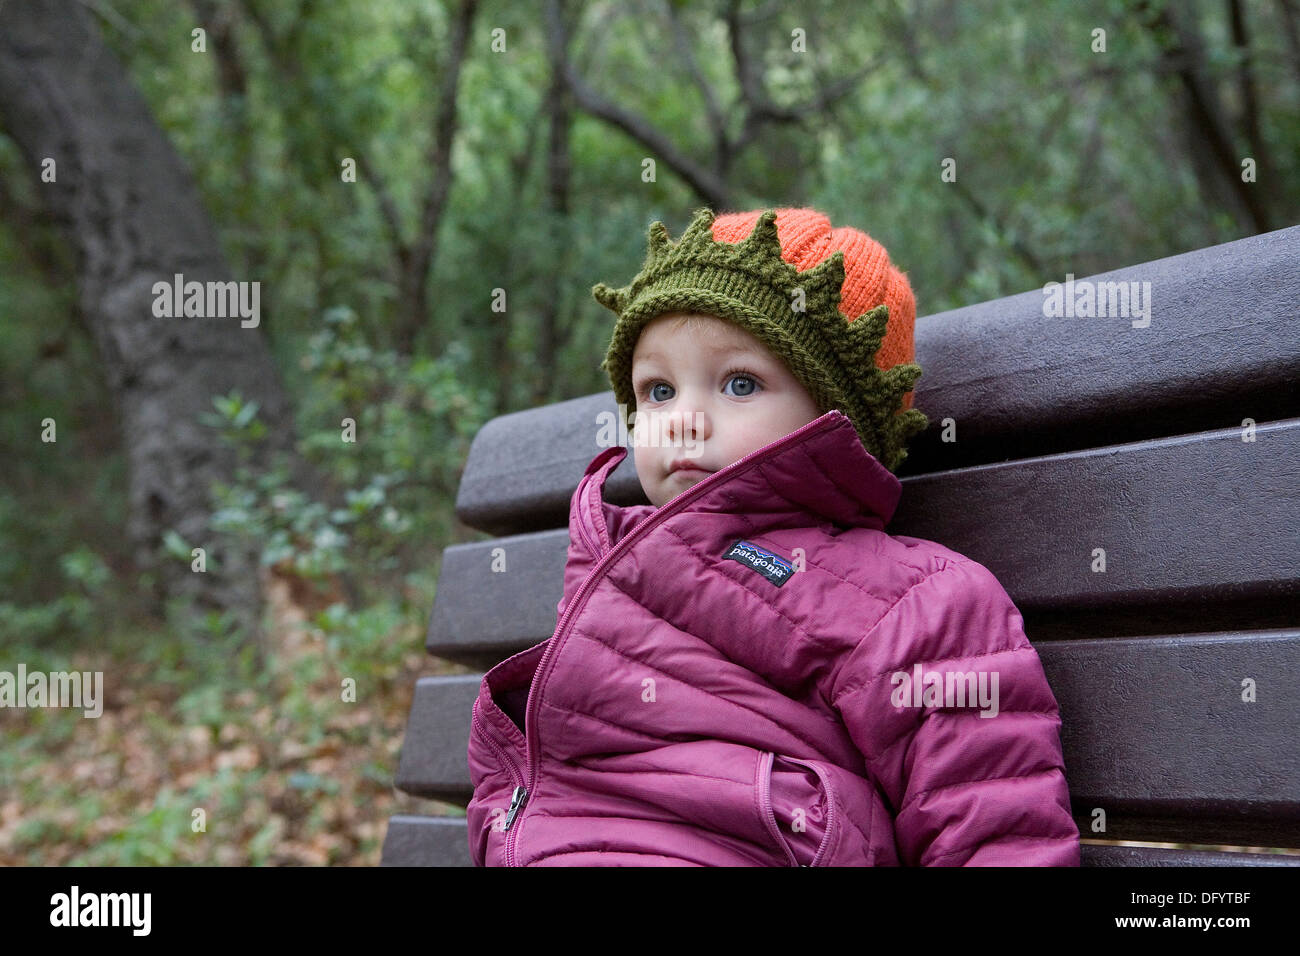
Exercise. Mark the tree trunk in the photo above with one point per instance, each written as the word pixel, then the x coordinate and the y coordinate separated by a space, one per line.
pixel 135 218
pixel 413 285
pixel 550 337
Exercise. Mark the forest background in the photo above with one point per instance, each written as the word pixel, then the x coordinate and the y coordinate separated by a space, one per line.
pixel 390 172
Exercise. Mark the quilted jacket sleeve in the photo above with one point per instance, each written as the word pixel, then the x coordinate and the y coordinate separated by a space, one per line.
pixel 972 780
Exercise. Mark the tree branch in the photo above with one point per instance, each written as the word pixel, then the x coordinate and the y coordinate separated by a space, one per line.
pixel 1181 45
pixel 438 159
pixel 717 118
pixel 710 187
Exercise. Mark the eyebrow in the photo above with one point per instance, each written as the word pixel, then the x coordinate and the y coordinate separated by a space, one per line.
pixel 719 350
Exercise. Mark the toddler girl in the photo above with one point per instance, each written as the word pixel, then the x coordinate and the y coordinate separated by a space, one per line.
pixel 750 670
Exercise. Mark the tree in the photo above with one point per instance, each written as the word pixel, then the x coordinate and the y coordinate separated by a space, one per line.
pixel 134 217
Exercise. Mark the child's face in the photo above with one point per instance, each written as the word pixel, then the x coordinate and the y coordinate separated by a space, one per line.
pixel 708 391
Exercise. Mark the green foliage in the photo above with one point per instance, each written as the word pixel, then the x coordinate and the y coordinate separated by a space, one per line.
pixel 72 611
pixel 414 420
pixel 151 839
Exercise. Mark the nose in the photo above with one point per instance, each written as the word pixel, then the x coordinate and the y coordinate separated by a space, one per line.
pixel 688 423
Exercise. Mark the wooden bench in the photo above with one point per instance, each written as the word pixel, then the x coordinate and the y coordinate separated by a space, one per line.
pixel 1073 436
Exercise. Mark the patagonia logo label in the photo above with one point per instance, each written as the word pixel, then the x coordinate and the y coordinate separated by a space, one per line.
pixel 772 566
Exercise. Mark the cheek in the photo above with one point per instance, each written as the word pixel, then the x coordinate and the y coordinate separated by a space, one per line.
pixel 642 458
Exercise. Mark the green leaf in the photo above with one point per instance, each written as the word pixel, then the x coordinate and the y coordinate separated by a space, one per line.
pixel 175 545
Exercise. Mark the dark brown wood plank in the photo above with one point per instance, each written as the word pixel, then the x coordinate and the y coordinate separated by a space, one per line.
pixel 1221 347
pixel 1211 831
pixel 1199 533
pixel 426 841
pixel 522 468
pixel 481 613
pixel 1153 730
pixel 1157 726
pixel 443 841
pixel 434 762
pixel 1182 521
pixel 1095 855
pixel 1017 383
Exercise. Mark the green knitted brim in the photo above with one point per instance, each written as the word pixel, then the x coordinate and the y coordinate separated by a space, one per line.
pixel 748 283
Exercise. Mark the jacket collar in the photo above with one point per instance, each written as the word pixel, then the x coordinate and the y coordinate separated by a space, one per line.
pixel 820 473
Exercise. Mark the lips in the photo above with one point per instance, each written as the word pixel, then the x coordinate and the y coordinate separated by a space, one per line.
pixel 687 465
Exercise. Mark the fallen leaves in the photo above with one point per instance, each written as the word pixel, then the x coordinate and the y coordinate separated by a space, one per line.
pixel 240 758
pixel 292 777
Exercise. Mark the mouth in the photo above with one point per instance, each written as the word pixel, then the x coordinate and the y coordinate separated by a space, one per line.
pixel 686 467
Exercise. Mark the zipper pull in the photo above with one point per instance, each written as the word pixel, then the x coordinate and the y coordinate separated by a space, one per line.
pixel 516 801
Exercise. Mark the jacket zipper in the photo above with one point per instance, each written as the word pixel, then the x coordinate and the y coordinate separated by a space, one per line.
pixel 517 797
pixel 769 812
pixel 655 519
pixel 520 793
pixel 765 804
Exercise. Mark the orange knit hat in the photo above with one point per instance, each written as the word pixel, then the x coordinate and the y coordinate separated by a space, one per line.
pixel 807 238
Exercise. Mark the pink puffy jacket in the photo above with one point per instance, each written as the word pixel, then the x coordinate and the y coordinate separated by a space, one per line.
pixel 757 674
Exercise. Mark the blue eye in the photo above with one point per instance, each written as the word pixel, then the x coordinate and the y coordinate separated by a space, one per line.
pixel 743 378
pixel 750 386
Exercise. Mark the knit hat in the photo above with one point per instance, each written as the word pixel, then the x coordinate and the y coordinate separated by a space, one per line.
pixel 826 301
